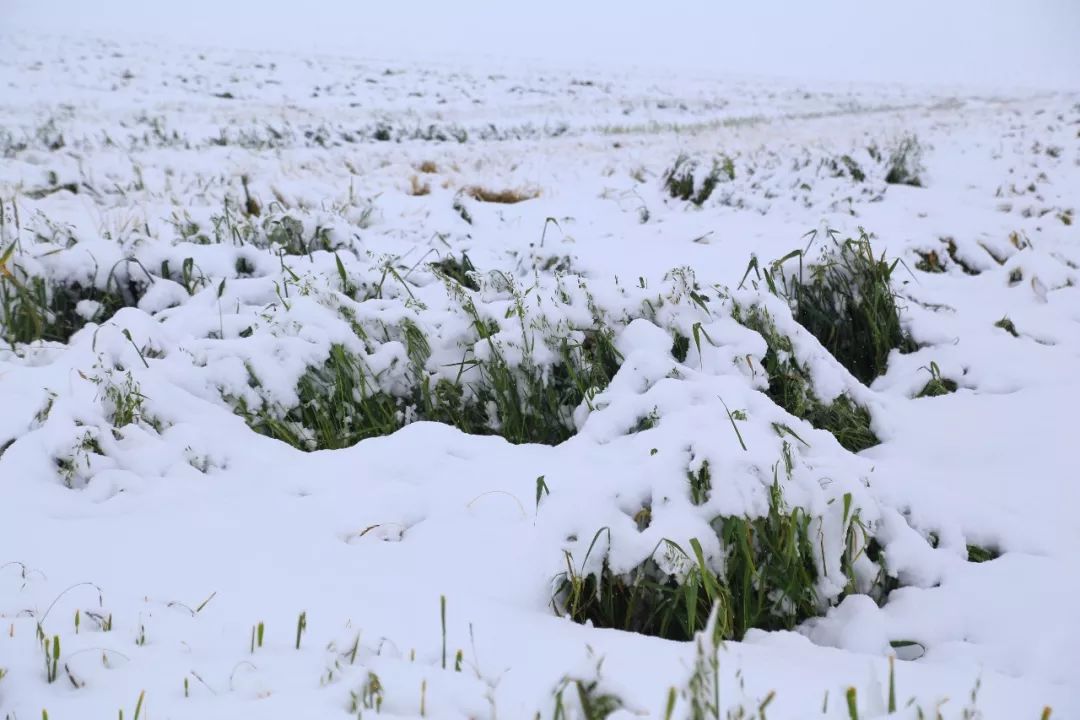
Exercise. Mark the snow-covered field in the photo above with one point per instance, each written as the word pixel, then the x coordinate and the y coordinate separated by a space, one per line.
pixel 197 244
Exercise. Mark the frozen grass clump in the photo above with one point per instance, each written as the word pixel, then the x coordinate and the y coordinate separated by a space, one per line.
pixel 791 388
pixel 682 180
pixel 929 262
pixel 847 302
pixel 1008 326
pixel 769 577
pixel 937 385
pixel 340 404
pixel 905 163
pixel 495 389
pixel 845 166
pixel 34 308
pixel 509 196
pixel 457 269
pixel 286 234
pixel 273 229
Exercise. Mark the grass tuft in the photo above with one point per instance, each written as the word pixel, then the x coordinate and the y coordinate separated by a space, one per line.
pixel 592 703
pixel 937 385
pixel 790 387
pixel 1008 326
pixel 953 251
pixel 457 269
pixel 905 163
pixel 848 304
pixel 681 184
pixel 680 347
pixel 462 211
pixel 34 309
pixel 342 402
pixel 700 483
pixel 844 167
pixel 286 233
pixel 768 581
pixel 930 262
pixel 979 554
pixel 418 188
pixel 504 197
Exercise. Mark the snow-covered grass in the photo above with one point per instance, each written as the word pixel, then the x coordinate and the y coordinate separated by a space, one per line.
pixel 342 389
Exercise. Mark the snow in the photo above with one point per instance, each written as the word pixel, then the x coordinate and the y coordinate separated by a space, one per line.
pixel 188 529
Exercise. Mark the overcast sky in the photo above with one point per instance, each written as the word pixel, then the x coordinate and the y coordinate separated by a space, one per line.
pixel 989 43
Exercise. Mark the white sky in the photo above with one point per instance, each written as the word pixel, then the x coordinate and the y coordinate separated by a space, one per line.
pixel 993 43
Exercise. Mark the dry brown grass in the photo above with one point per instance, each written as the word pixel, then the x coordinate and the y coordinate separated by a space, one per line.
pixel 428 167
pixel 506 197
pixel 417 187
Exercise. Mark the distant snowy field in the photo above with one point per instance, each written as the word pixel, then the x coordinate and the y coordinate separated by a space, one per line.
pixel 189 235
